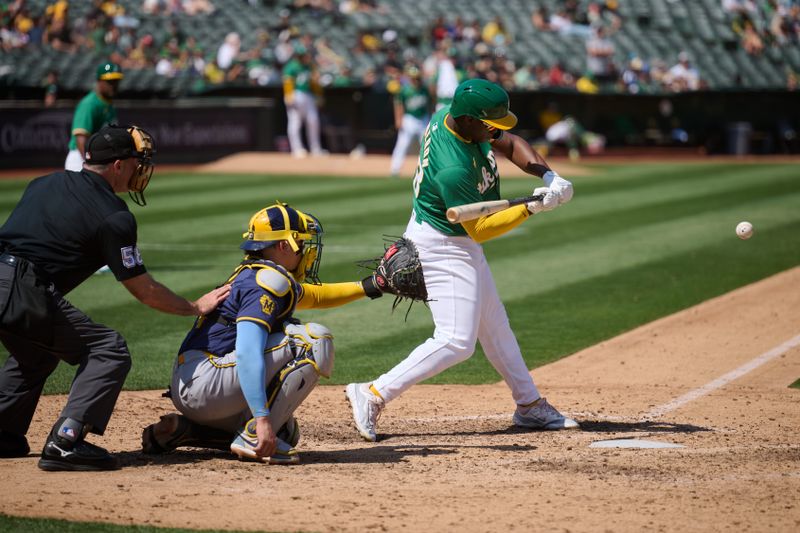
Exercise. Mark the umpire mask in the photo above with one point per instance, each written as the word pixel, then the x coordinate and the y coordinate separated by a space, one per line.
pixel 145 149
pixel 303 232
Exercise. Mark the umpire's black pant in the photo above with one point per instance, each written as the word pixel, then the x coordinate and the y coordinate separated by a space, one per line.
pixel 100 353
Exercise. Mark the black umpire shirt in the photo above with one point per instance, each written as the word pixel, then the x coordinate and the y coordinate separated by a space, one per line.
pixel 69 224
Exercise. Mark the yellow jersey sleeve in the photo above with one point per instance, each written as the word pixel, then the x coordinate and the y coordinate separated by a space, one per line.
pixel 330 295
pixel 491 226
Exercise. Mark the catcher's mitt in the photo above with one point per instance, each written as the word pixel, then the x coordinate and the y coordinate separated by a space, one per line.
pixel 399 272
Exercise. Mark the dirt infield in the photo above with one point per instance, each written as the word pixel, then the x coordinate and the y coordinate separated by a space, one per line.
pixel 342 165
pixel 709 379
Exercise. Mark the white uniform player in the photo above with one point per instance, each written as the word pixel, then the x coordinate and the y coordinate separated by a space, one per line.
pixel 411 105
pixel 456 167
pixel 300 91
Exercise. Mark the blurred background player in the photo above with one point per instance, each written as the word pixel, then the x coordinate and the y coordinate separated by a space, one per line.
pixel 301 93
pixel 243 370
pixel 457 166
pixel 94 111
pixel 569 133
pixel 411 106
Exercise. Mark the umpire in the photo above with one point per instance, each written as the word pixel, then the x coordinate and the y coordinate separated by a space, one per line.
pixel 66 226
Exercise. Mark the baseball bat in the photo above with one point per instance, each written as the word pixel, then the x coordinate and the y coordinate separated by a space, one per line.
pixel 478 209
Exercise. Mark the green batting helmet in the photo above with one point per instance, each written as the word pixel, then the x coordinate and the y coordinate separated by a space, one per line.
pixel 109 72
pixel 485 101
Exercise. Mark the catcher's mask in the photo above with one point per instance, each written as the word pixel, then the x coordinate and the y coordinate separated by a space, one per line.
pixel 145 148
pixel 114 143
pixel 303 232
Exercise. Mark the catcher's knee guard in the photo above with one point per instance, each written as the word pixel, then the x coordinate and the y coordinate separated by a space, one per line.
pixel 314 354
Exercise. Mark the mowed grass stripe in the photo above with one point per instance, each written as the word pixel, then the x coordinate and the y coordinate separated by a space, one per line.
pixel 571 317
pixel 545 257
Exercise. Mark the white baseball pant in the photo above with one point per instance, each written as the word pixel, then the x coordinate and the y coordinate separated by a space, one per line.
pixel 303 109
pixel 74 161
pixel 411 128
pixel 466 308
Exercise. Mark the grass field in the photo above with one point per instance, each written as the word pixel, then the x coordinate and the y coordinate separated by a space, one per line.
pixel 12 524
pixel 638 242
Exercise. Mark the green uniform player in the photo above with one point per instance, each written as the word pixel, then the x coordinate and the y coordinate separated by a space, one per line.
pixel 300 93
pixel 94 111
pixel 457 166
pixel 411 107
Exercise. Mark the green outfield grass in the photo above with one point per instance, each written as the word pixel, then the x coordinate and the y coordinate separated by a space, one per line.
pixel 637 242
pixel 11 524
pixel 796 384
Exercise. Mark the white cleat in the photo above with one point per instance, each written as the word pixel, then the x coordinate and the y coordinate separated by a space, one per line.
pixel 541 415
pixel 366 409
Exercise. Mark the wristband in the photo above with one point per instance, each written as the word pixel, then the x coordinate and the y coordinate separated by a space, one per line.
pixel 371 288
pixel 549 176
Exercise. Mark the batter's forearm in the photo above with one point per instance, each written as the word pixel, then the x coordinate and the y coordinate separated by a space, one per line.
pixel 519 152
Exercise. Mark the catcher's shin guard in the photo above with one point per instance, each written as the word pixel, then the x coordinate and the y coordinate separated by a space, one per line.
pixel 313 347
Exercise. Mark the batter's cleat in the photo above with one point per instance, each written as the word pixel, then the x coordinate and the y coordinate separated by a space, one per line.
pixel 59 454
pixel 13 445
pixel 541 415
pixel 366 409
pixel 243 446
pixel 165 435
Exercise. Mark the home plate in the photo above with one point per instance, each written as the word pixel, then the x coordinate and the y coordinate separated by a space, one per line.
pixel 633 443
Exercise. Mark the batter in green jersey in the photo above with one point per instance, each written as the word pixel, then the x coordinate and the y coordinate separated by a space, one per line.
pixel 94 111
pixel 452 171
pixel 457 166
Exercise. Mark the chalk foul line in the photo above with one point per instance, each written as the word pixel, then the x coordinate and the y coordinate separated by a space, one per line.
pixel 723 380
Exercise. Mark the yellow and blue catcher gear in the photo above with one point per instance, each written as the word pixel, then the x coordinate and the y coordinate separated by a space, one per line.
pixel 303 232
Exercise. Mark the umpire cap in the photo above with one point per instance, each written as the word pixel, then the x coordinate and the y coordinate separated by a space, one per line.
pixel 109 144
pixel 485 101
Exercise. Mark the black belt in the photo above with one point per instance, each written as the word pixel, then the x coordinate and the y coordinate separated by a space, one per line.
pixel 13 260
pixel 9 259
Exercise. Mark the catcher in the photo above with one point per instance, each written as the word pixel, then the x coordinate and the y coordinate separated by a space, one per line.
pixel 243 370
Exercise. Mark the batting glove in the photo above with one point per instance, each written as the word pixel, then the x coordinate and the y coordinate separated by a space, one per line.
pixel 558 185
pixel 548 203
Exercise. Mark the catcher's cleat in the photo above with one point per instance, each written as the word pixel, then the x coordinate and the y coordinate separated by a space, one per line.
pixel 165 435
pixel 541 415
pixel 13 445
pixel 366 409
pixel 62 455
pixel 244 444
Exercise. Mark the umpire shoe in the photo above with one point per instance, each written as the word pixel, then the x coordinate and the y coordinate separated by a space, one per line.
pixel 60 454
pixel 366 409
pixel 541 415
pixel 13 444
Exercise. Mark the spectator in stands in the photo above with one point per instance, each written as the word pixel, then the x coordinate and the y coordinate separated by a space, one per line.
pixel 540 19
pixel 600 57
pixel 494 33
pixel 682 76
pixel 301 95
pixel 228 51
pixel 751 40
pixel 445 77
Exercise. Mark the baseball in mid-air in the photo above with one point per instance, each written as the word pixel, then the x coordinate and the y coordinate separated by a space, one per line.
pixel 744 230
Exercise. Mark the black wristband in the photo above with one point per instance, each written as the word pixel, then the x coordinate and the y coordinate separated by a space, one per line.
pixel 371 288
